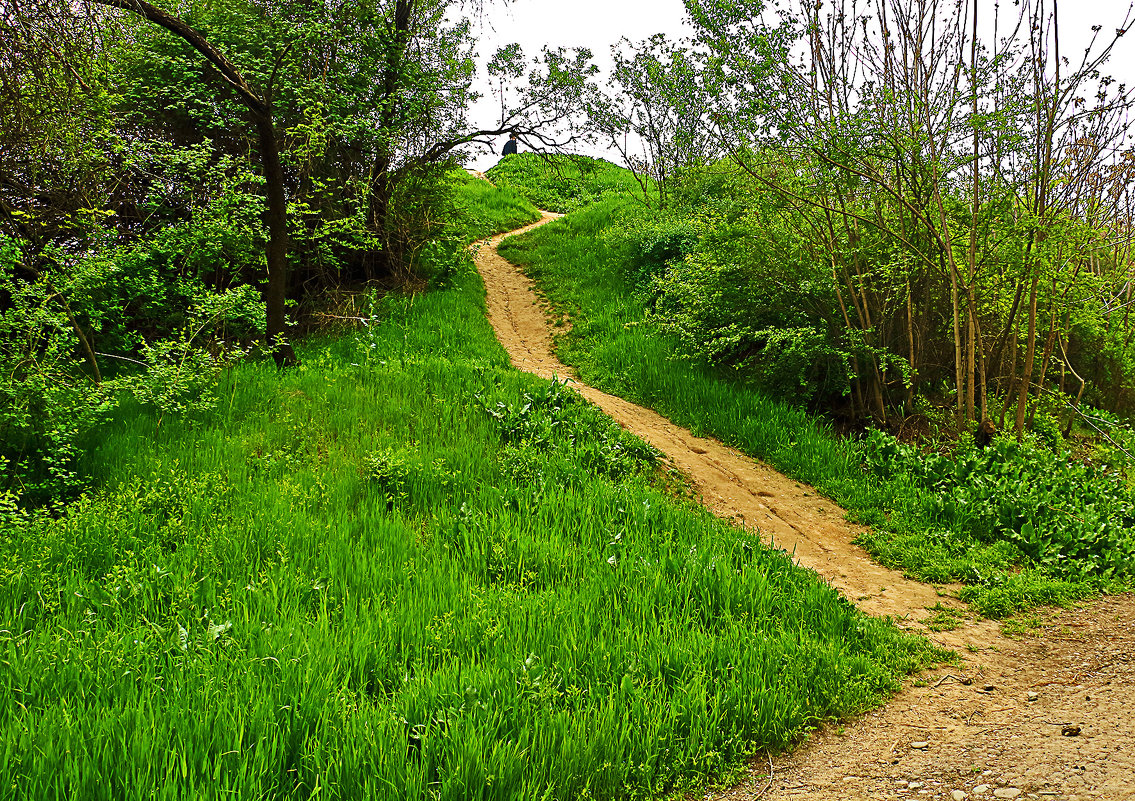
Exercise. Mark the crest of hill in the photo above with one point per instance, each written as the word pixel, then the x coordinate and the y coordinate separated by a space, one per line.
pixel 563 183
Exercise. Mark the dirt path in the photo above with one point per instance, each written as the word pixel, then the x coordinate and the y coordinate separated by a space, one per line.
pixel 999 739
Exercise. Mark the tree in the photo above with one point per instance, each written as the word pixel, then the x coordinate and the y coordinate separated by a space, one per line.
pixel 259 106
pixel 659 108
pixel 935 162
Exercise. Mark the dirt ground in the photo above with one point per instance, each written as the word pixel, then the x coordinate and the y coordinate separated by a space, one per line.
pixel 1049 715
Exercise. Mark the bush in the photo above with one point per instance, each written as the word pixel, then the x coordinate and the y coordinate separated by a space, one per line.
pixel 52 387
pixel 1073 520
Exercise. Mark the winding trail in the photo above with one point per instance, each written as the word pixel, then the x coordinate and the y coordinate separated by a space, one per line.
pixel 982 730
pixel 786 513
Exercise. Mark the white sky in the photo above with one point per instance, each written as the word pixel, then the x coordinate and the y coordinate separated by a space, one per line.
pixel 594 24
pixel 598 24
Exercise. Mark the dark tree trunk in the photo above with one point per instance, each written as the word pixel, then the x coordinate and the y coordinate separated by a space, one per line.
pixel 276 218
pixel 276 213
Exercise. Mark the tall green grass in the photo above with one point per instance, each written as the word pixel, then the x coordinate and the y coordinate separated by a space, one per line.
pixel 484 209
pixel 563 183
pixel 580 265
pixel 404 570
pixel 584 265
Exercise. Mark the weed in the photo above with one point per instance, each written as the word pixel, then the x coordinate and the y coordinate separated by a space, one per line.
pixel 1022 626
pixel 945 618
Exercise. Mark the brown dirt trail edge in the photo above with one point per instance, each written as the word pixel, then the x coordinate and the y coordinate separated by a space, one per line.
pixel 984 734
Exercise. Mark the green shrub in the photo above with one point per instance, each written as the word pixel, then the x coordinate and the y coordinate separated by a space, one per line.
pixel 1073 520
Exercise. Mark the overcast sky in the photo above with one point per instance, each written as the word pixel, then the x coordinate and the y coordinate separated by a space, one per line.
pixel 595 24
pixel 598 24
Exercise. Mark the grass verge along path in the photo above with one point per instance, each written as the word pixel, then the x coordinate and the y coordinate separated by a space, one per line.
pixel 585 266
pixel 981 725
pixel 405 570
pixel 787 514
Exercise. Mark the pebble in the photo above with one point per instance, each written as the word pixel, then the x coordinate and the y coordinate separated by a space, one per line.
pixel 913 785
pixel 1006 792
pixel 958 795
pixel 1070 730
pixel 920 745
pixel 1033 695
pixel 981 788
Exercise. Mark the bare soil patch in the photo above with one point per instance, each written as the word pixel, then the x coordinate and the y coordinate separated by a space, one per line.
pixel 973 729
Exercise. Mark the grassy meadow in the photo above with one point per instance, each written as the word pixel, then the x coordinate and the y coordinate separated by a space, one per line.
pixel 482 209
pixel 403 570
pixel 563 183
pixel 1016 523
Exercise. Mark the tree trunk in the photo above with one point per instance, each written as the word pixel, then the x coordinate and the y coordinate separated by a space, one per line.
pixel 276 213
pixel 381 186
pixel 1030 356
pixel 970 300
pixel 276 218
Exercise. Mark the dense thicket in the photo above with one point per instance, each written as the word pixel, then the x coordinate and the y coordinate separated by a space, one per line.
pixel 897 200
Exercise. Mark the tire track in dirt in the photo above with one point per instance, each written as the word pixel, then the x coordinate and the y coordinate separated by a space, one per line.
pixel 991 724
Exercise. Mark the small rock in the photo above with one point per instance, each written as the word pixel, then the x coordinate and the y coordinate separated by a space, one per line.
pixel 967 681
pixel 901 783
pixel 1070 730
pixel 1032 695
pixel 981 788
pixel 958 795
pixel 989 688
pixel 913 785
pixel 1006 792
pixel 920 745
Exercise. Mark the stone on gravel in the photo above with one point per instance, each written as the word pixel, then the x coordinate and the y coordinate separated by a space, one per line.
pixel 914 785
pixel 1070 730
pixel 958 795
pixel 1032 695
pixel 981 788
pixel 1006 792
pixel 920 745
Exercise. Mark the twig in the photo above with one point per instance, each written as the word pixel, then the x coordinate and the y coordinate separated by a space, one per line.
pixel 767 786
pixel 120 358
pixel 365 320
pixel 950 676
pixel 1087 419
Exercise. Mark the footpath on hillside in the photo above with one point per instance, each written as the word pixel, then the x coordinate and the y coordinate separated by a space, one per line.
pixel 1048 716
